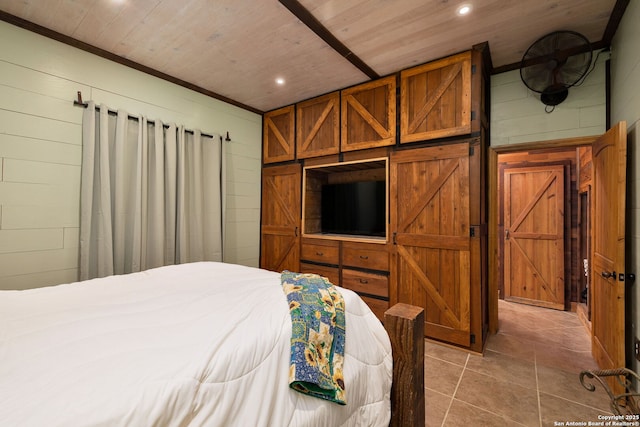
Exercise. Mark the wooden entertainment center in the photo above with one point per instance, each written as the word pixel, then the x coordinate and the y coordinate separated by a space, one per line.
pixel 423 132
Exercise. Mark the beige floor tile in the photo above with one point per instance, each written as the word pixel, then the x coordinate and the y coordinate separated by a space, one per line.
pixel 463 414
pixel 554 409
pixel 505 368
pixel 575 338
pixel 499 397
pixel 566 385
pixel 436 407
pixel 443 352
pixel 441 376
pixel 528 375
pixel 510 324
pixel 562 358
pixel 549 336
pixel 511 346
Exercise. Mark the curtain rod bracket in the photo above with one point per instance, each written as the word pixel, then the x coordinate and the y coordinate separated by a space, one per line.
pixel 78 102
pixel 227 138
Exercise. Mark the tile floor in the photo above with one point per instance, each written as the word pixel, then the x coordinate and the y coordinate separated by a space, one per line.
pixel 528 376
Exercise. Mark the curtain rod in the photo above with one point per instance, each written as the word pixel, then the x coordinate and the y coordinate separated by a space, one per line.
pixel 79 103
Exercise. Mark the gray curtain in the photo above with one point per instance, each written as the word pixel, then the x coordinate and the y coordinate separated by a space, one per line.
pixel 151 194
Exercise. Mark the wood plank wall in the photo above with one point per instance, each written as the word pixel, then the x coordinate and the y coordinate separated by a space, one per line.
pixel 40 152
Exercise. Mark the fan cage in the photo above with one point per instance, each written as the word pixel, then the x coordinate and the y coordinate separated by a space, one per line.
pixel 554 63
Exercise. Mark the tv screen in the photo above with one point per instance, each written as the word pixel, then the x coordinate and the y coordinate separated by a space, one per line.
pixel 356 208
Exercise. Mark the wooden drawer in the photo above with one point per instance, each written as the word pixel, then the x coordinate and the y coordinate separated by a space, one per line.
pixel 366 283
pixel 378 306
pixel 327 252
pixel 365 255
pixel 331 273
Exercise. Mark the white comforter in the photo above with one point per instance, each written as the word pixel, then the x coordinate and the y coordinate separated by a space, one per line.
pixel 203 344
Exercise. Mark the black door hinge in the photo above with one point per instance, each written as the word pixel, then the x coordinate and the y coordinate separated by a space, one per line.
pixel 472 232
pixel 473 115
pixel 473 338
pixel 473 69
pixel 471 151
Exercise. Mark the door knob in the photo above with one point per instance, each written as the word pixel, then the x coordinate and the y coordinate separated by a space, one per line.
pixel 607 274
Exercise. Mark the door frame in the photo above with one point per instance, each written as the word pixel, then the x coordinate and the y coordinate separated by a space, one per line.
pixel 494 204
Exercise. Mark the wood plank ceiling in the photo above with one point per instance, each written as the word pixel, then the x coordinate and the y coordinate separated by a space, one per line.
pixel 235 49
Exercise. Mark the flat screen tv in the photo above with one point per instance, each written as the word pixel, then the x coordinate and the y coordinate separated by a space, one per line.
pixel 354 208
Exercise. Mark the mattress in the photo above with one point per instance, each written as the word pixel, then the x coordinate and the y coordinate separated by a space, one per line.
pixel 201 344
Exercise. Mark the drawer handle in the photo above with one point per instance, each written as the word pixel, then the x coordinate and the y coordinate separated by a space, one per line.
pixel 364 257
pixel 364 281
pixel 319 253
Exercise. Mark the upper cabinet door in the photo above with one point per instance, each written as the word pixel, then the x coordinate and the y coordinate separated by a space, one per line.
pixel 435 99
pixel 279 135
pixel 318 126
pixel 369 115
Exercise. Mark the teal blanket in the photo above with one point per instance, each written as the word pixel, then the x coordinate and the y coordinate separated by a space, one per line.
pixel 318 336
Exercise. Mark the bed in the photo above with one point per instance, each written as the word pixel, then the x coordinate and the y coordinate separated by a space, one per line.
pixel 194 344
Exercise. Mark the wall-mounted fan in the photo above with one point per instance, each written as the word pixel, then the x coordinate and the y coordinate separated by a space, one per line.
pixel 554 63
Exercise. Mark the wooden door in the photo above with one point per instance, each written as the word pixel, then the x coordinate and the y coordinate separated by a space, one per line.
pixel 430 221
pixel 533 203
pixel 369 115
pixel 608 266
pixel 280 233
pixel 435 99
pixel 318 126
pixel 278 132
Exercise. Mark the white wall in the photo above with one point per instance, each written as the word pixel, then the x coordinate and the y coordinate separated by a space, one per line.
pixel 518 115
pixel 40 152
pixel 625 82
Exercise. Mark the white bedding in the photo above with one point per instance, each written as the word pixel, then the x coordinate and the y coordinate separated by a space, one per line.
pixel 202 344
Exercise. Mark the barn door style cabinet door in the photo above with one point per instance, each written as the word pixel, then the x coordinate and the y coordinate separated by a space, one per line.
pixel 435 99
pixel 430 206
pixel 369 115
pixel 318 126
pixel 437 241
pixel 278 143
pixel 281 207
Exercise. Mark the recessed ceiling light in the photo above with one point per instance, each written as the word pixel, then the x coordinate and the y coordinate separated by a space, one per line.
pixel 464 9
pixel 280 81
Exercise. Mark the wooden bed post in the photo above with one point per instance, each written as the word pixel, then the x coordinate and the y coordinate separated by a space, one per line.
pixel 405 325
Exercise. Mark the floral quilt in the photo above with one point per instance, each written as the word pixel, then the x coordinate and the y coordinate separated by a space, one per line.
pixel 318 336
